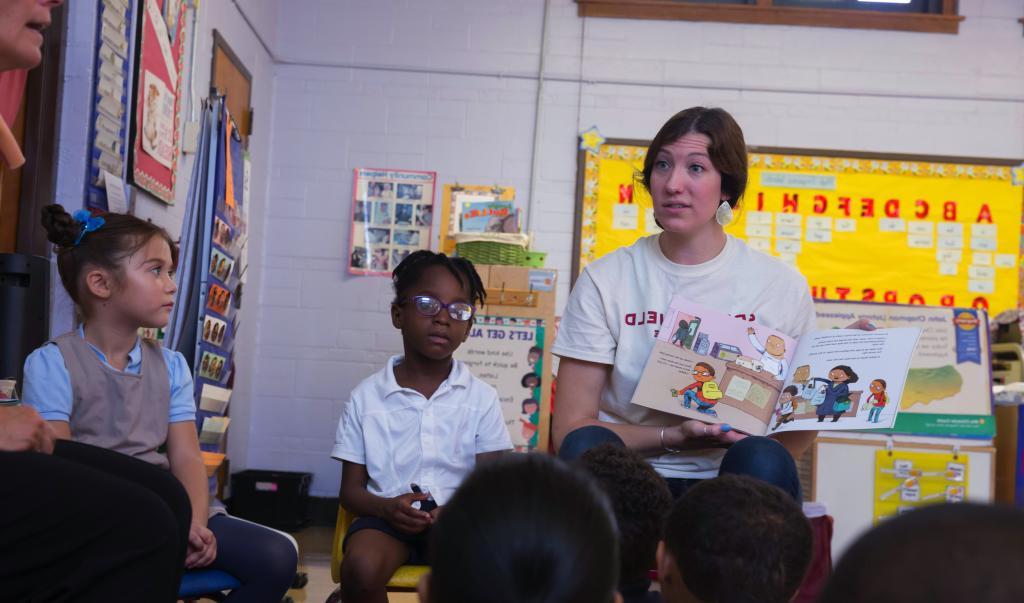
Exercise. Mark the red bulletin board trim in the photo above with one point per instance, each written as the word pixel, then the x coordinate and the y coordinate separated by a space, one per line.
pixel 147 172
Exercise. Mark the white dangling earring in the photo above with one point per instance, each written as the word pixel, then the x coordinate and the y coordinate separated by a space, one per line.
pixel 723 215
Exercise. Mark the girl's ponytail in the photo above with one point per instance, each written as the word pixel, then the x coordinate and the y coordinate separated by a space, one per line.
pixel 61 228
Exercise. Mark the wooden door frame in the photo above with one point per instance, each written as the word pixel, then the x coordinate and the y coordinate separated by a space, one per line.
pixel 220 42
pixel 43 92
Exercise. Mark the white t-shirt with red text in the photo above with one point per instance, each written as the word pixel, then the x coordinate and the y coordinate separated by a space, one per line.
pixel 616 308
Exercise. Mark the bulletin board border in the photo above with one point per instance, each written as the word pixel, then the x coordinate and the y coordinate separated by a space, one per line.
pixel 583 155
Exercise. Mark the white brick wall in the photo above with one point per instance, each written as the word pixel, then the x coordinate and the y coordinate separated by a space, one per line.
pixel 320 331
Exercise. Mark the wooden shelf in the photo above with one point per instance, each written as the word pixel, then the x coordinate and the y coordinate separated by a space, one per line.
pixel 763 13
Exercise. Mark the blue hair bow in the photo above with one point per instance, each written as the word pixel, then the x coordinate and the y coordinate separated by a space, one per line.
pixel 88 221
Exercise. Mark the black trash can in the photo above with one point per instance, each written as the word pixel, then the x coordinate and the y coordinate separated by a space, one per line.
pixel 279 499
pixel 24 310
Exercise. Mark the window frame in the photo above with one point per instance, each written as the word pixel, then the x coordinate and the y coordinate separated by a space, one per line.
pixel 763 12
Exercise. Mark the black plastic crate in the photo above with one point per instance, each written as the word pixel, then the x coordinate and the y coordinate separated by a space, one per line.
pixel 279 499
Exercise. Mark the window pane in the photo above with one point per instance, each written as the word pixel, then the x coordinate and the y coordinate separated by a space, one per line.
pixel 906 6
pixel 716 1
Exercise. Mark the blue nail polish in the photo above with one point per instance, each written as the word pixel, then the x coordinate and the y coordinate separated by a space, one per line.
pixel 726 427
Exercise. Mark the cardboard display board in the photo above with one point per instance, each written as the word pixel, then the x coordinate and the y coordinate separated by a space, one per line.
pixel 519 317
pixel 860 227
pixel 844 479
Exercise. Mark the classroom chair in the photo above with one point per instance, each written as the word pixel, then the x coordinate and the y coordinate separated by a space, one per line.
pixel 820 569
pixel 406 577
pixel 206 584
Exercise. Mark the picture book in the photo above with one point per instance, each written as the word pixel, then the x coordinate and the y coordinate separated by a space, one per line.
pixel 717 368
pixel 948 390
pixel 488 216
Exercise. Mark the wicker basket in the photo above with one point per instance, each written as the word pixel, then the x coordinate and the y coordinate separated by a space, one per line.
pixel 492 248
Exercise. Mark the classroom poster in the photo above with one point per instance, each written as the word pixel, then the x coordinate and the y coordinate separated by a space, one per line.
pixel 507 353
pixel 948 388
pixel 109 113
pixel 392 212
pixel 905 481
pixel 860 229
pixel 454 196
pixel 156 123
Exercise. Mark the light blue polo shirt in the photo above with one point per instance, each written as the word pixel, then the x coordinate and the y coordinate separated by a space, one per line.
pixel 48 385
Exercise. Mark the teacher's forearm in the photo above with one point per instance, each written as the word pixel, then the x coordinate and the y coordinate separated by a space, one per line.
pixel 644 439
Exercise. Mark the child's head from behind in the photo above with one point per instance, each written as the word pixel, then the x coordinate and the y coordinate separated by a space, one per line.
pixel 641 501
pixel 115 261
pixel 434 302
pixel 525 527
pixel 734 539
pixel 944 553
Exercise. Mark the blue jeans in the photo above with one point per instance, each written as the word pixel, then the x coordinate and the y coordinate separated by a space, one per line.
pixel 689 397
pixel 759 457
pixel 874 413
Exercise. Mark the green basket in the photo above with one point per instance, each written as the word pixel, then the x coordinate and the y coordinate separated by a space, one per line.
pixel 490 252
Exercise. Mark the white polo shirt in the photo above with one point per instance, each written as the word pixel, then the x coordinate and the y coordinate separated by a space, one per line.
pixel 404 438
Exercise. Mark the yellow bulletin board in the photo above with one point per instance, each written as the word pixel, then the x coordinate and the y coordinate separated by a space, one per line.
pixel 864 227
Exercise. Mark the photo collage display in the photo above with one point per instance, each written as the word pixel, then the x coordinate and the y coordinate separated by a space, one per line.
pixel 392 214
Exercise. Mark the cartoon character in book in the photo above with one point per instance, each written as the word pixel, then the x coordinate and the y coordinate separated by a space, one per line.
pixel 837 395
pixel 704 391
pixel 680 335
pixel 773 354
pixel 530 420
pixel 877 400
pixel 786 409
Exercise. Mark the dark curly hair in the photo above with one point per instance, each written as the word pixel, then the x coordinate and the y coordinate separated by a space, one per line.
pixel 736 539
pixel 120 236
pixel 408 273
pixel 641 501
pixel 525 527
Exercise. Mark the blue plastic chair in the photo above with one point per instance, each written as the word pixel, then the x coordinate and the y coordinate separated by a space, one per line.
pixel 207 584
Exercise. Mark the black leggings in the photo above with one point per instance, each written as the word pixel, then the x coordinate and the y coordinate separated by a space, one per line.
pixel 87 524
pixel 263 560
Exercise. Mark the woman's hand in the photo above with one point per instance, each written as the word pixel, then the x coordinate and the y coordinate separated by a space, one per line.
pixel 692 434
pixel 21 428
pixel 401 514
pixel 202 547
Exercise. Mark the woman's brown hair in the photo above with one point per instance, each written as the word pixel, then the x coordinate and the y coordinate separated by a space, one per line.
pixel 727 149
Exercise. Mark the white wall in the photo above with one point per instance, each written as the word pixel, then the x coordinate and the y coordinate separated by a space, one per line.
pixel 453 90
pixel 225 17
